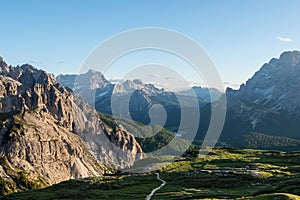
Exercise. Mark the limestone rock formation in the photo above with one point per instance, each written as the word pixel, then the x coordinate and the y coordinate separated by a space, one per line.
pixel 50 134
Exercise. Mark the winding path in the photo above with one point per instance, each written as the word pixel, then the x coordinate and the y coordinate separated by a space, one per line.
pixel 156 189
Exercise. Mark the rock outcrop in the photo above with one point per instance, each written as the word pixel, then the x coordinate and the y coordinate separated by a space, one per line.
pixel 276 85
pixel 267 104
pixel 34 142
pixel 275 88
pixel 52 135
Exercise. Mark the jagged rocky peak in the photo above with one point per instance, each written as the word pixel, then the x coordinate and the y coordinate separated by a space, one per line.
pixel 137 81
pixel 128 86
pixel 30 89
pixel 136 84
pixel 92 79
pixel 93 72
pixel 276 85
pixel 287 62
pixel 290 58
pixel 27 74
pixel 1 61
pixel 41 119
pixel 36 89
pixel 3 65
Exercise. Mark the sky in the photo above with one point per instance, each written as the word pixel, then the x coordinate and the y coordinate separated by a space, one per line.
pixel 238 36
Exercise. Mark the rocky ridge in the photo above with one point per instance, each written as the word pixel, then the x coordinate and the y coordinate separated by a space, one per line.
pixel 134 96
pixel 276 84
pixel 266 105
pixel 274 88
pixel 50 134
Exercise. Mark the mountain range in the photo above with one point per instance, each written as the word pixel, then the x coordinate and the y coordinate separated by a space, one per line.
pixel 94 88
pixel 51 130
pixel 267 105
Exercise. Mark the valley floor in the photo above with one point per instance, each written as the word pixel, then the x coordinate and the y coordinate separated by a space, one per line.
pixel 223 174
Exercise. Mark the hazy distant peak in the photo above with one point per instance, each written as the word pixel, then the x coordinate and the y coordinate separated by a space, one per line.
pixel 92 72
pixel 92 79
pixel 137 81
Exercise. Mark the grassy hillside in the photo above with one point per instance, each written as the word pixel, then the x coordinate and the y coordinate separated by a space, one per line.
pixel 17 179
pixel 262 141
pixel 143 133
pixel 223 174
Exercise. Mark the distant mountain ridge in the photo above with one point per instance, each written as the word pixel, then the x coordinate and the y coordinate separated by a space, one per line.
pixel 268 103
pixel 142 95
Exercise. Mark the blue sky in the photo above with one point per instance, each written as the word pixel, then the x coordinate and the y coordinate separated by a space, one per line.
pixel 239 36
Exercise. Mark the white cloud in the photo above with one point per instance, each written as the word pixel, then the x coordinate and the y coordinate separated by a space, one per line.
pixel 284 39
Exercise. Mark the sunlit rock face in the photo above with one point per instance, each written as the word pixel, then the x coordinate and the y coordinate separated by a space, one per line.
pixel 52 134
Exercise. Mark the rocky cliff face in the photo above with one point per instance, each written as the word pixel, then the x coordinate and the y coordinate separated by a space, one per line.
pixel 34 142
pixel 272 89
pixel 276 85
pixel 267 104
pixel 114 147
pixel 52 134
